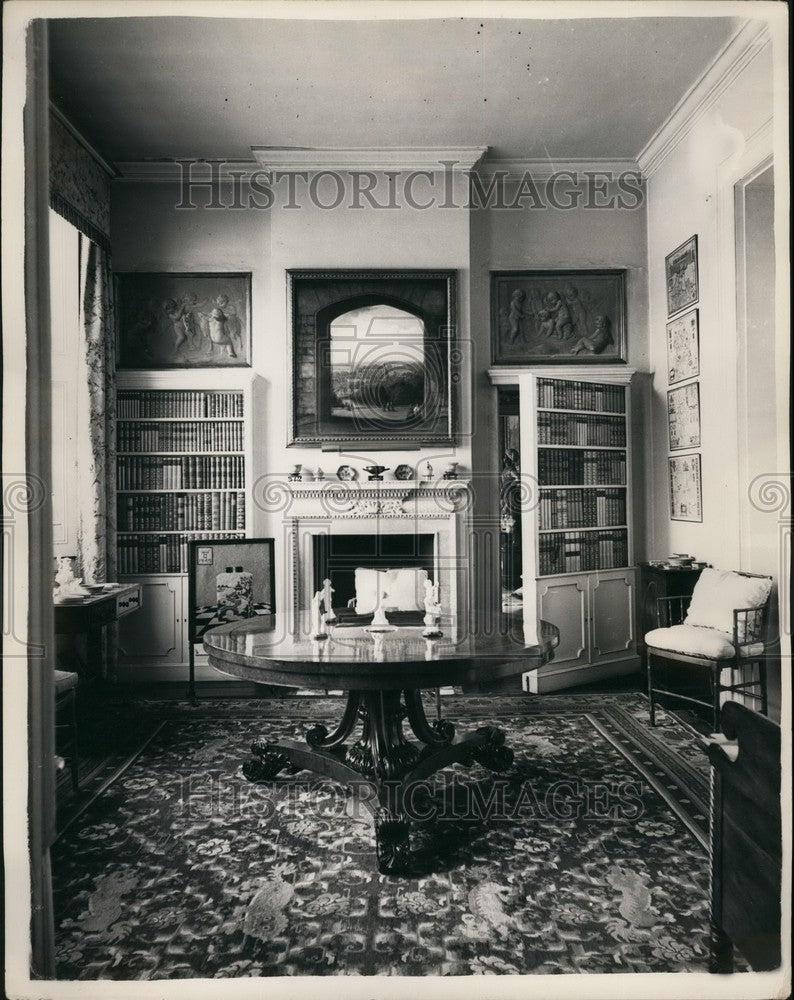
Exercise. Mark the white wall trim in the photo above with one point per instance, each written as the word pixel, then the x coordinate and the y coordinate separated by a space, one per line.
pixel 736 55
pixel 289 159
pixel 509 375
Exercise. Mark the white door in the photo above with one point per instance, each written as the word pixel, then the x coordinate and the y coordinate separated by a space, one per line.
pixel 612 615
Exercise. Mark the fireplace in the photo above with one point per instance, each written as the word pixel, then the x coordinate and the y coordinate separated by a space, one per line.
pixel 337 556
pixel 332 528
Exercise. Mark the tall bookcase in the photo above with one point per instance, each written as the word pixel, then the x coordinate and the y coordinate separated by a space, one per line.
pixel 577 539
pixel 182 471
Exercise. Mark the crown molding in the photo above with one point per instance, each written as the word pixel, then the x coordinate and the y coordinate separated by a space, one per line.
pixel 290 159
pixel 516 167
pixel 56 112
pixel 171 170
pixel 736 55
pixel 511 375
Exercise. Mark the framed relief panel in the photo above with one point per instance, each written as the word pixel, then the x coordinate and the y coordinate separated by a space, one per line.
pixel 683 416
pixel 558 316
pixel 681 274
pixel 373 357
pixel 683 347
pixel 686 500
pixel 183 320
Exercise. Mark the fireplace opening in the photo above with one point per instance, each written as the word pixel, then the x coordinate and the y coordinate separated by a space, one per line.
pixel 336 558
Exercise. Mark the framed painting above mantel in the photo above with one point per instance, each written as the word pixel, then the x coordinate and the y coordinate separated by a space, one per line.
pixel 374 357
pixel 558 317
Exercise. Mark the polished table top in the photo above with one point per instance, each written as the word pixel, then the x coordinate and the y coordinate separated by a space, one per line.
pixel 264 650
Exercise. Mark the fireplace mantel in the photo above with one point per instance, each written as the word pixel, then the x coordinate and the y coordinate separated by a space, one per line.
pixel 373 499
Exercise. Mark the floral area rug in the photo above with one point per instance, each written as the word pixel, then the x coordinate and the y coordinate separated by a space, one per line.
pixel 587 856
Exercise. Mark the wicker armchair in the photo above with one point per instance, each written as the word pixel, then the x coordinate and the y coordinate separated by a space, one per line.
pixel 688 647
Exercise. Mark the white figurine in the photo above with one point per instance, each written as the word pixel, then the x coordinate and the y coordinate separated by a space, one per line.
pixel 379 619
pixel 328 602
pixel 432 609
pixel 318 627
pixel 428 471
pixel 68 584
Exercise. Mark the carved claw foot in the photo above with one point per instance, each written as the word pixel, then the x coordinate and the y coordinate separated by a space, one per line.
pixel 392 843
pixel 267 761
pixel 493 754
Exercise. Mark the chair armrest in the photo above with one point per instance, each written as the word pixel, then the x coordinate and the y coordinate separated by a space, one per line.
pixel 749 625
pixel 671 610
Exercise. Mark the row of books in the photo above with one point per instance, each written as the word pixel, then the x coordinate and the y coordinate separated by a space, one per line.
pixel 182 512
pixel 581 508
pixel 159 553
pixel 581 467
pixel 580 551
pixel 190 472
pixel 564 395
pixel 178 403
pixel 179 437
pixel 581 429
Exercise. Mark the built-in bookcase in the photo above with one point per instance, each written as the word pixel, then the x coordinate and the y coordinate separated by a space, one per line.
pixel 575 532
pixel 582 474
pixel 182 473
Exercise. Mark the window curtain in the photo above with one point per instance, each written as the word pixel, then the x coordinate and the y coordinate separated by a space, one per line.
pixel 96 445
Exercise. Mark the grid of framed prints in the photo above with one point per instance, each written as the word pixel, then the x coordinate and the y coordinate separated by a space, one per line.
pixel 683 366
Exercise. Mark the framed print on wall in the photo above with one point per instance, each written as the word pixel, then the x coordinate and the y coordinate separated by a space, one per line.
pixel 555 317
pixel 228 580
pixel 681 274
pixel 183 320
pixel 683 347
pixel 373 357
pixel 686 499
pixel 683 416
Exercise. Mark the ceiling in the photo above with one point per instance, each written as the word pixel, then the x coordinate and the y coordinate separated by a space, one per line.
pixel 145 87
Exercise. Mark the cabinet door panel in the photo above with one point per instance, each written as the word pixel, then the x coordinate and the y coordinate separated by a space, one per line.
pixel 155 633
pixel 563 602
pixel 612 615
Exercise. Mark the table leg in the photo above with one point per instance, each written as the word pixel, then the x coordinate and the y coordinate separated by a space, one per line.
pixel 382 759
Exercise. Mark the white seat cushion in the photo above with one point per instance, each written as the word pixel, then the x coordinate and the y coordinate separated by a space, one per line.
pixel 696 641
pixel 405 589
pixel 718 592
pixel 370 587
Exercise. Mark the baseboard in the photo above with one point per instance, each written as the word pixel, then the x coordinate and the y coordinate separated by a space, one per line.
pixel 543 681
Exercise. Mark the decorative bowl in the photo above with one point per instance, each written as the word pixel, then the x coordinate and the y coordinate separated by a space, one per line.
pixel 404 472
pixel 375 472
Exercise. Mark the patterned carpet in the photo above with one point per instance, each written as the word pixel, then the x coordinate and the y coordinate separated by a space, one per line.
pixel 588 856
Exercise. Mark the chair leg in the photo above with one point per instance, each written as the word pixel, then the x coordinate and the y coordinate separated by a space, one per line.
pixel 762 681
pixel 715 697
pixel 651 704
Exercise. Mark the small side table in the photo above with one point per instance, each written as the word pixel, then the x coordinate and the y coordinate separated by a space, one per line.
pixel 655 582
pixel 89 616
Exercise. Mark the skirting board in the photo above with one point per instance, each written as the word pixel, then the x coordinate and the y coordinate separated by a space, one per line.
pixel 542 682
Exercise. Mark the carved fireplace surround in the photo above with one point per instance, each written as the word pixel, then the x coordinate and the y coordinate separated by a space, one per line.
pixel 440 509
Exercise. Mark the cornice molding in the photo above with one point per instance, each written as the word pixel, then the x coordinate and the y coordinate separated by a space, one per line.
pixel 736 55
pixel 517 167
pixel 511 375
pixel 288 159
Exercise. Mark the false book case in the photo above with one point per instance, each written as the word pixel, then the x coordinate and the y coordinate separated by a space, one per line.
pixel 183 448
pixel 573 427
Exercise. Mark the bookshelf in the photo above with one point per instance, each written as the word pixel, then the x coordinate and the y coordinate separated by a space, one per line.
pixel 577 537
pixel 182 471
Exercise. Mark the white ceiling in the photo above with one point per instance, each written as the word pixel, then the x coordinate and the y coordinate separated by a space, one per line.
pixel 206 87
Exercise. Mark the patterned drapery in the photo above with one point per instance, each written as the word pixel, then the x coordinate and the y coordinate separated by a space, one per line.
pixel 96 446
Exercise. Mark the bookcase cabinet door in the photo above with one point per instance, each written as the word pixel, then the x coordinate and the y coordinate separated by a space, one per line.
pixel 564 601
pixel 156 633
pixel 612 616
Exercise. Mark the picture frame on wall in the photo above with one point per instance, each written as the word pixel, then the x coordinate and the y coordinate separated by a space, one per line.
pixel 558 317
pixel 183 320
pixel 228 580
pixel 681 276
pixel 683 347
pixel 374 357
pixel 686 494
pixel 683 417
